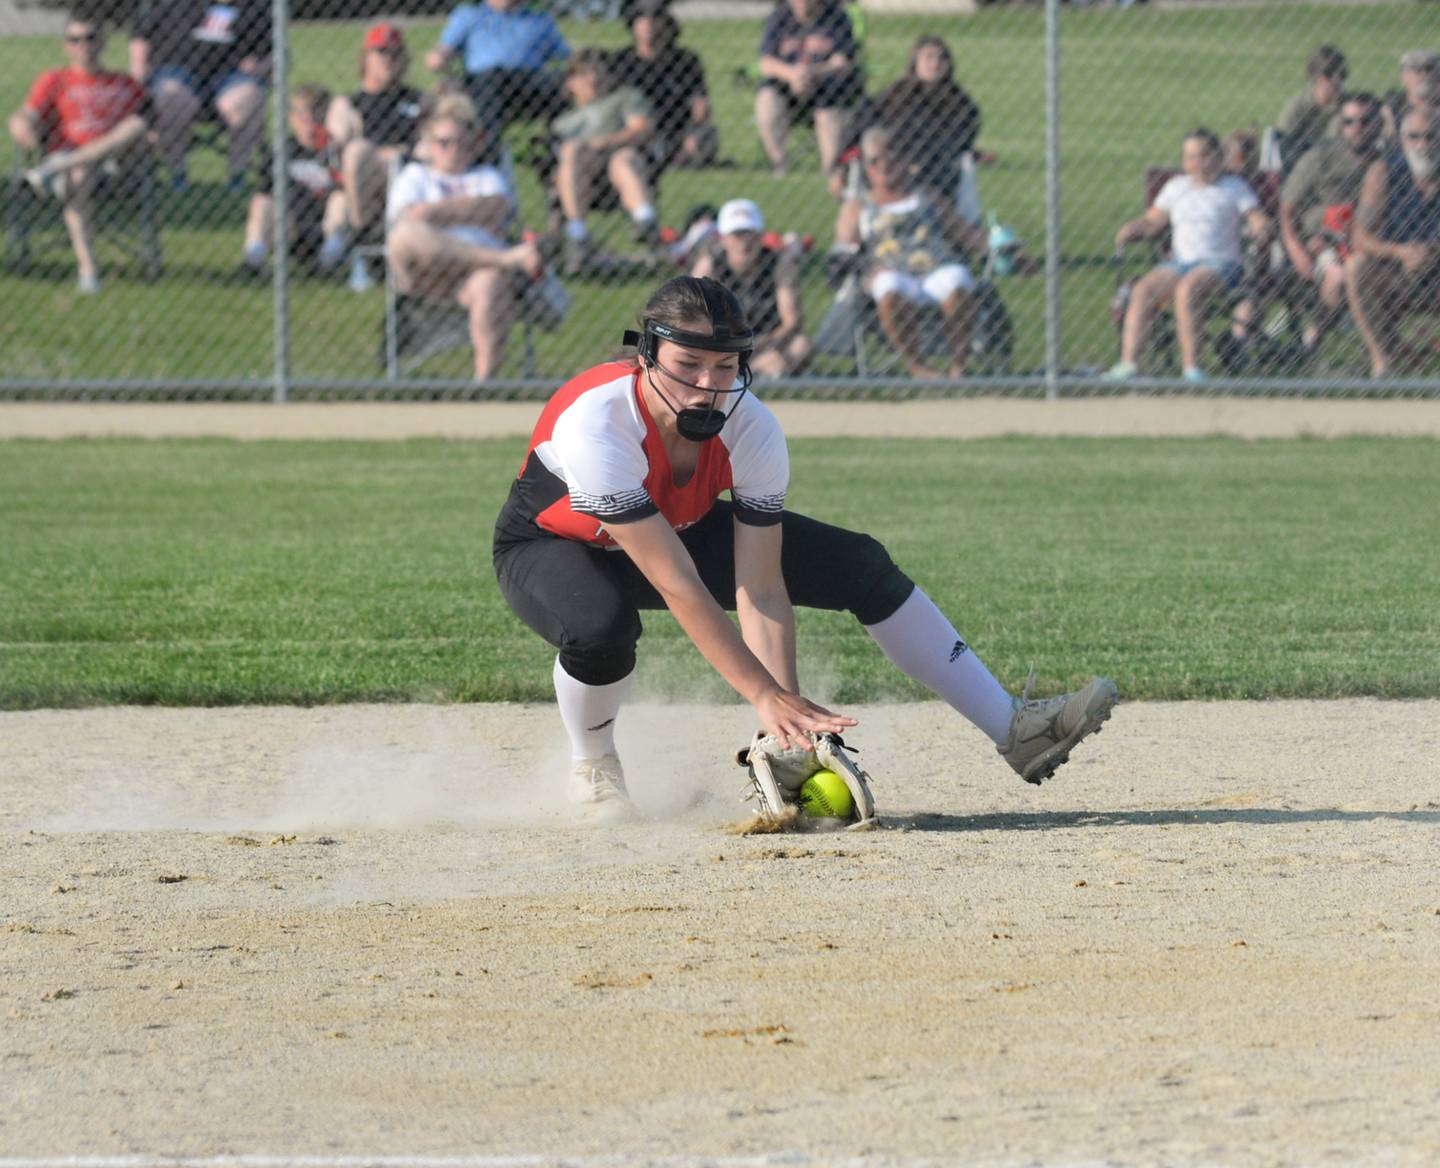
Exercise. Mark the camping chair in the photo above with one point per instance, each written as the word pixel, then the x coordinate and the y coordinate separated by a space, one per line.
pixel 415 329
pixel 126 214
pixel 851 327
pixel 1266 285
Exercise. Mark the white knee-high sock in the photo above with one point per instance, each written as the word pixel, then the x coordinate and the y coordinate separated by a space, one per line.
pixel 924 645
pixel 589 712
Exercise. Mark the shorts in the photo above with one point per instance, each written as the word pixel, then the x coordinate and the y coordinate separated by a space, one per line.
pixel 1230 273
pixel 840 92
pixel 586 601
pixel 207 91
pixel 932 289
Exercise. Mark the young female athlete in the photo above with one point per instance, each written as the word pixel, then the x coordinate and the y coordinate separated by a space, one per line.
pixel 616 509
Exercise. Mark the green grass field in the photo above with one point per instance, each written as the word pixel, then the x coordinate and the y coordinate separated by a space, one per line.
pixel 213 572
pixel 1133 81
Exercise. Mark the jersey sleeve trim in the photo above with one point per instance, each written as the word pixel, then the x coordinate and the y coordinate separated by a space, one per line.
pixel 759 511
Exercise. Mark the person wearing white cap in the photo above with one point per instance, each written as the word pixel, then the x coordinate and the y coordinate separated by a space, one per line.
pixel 767 282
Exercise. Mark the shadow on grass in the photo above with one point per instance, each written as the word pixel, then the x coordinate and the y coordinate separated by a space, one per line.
pixel 1066 820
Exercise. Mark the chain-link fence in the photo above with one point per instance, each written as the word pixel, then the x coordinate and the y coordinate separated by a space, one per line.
pixel 1032 198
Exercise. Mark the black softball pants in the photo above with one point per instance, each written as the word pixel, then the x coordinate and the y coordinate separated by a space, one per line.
pixel 586 601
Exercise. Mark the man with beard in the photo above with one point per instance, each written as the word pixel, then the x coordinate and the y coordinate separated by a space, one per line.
pixel 1395 267
pixel 1317 205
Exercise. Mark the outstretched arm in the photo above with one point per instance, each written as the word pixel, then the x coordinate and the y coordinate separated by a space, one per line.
pixel 657 551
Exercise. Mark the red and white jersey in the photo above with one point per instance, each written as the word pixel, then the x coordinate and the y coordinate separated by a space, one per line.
pixel 596 459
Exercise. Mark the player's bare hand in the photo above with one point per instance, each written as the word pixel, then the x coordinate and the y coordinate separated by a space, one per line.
pixel 792 718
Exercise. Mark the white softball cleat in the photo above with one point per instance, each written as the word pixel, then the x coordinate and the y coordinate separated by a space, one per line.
pixel 1044 731
pixel 597 792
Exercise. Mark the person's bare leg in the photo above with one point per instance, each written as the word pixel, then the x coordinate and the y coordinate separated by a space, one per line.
pixel 176 109
pixel 574 178
pixel 79 223
pixel 1150 294
pixel 1369 284
pixel 772 119
pixel 428 262
pixel 364 175
pixel 242 109
pixel 628 176
pixel 1192 297
pixel 899 318
pixel 958 315
pixel 829 132
pixel 798 352
pixel 260 222
pixel 489 298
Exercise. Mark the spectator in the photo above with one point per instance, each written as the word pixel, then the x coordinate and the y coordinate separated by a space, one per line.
pixel 1203 209
pixel 1419 87
pixel 198 57
pixel 673 79
pixel 504 50
pixel 314 201
pixel 603 136
pixel 767 282
pixel 449 219
pixel 1396 239
pixel 78 117
pixel 1308 116
pixel 933 118
pixel 808 66
pixel 372 130
pixel 1318 202
pixel 914 248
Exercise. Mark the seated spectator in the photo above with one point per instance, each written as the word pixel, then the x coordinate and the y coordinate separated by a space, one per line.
pixel 808 66
pixel 1419 88
pixel 448 223
pixel 1204 210
pixel 932 117
pixel 315 204
pixel 505 50
pixel 1317 204
pixel 914 255
pixel 371 130
pixel 767 282
pixel 199 58
pixel 78 117
pixel 1310 114
pixel 602 137
pixel 1395 265
pixel 673 79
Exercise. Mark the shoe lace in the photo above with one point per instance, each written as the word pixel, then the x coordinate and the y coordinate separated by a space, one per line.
pixel 602 780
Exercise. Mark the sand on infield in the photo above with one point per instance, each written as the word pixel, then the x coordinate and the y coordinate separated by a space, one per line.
pixel 370 930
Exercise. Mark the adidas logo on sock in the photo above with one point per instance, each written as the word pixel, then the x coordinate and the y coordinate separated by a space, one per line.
pixel 955 653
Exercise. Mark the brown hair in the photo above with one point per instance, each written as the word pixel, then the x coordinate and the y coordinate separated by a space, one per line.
pixel 453 107
pixel 591 60
pixel 1326 61
pixel 1205 135
pixel 932 42
pixel 315 98
pixel 680 303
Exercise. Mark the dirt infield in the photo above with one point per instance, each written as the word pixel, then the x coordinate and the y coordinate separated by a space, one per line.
pixel 369 930
pixel 958 418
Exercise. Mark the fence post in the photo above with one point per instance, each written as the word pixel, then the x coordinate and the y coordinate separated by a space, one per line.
pixel 1052 199
pixel 279 182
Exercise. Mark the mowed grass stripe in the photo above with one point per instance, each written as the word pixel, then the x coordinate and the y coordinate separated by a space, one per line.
pixel 214 572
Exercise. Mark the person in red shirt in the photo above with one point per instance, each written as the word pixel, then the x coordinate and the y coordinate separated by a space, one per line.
pixel 78 117
pixel 616 509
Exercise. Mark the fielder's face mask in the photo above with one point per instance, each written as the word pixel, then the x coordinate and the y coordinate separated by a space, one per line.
pixel 697 423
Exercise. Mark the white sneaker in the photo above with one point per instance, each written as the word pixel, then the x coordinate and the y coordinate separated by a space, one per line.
pixel 1043 731
pixel 87 285
pixel 597 790
pixel 360 278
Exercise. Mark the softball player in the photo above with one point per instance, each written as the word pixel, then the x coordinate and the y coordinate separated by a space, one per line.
pixel 616 509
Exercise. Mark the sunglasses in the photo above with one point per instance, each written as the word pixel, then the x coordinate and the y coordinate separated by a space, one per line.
pixel 389 50
pixel 447 141
pixel 875 159
pixel 1364 119
pixel 81 38
pixel 1431 136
